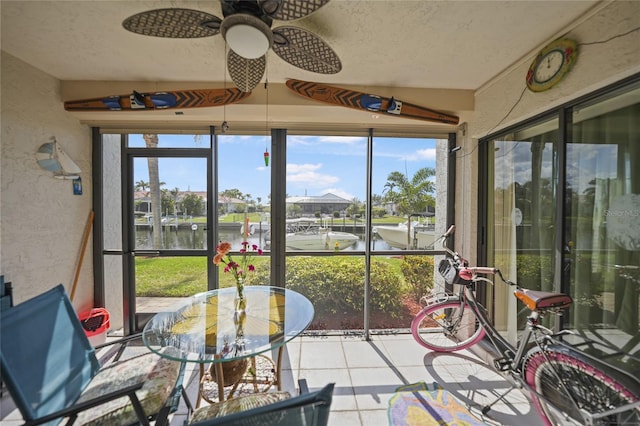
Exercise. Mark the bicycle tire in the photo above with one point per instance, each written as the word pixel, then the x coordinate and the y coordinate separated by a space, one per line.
pixel 595 387
pixel 458 332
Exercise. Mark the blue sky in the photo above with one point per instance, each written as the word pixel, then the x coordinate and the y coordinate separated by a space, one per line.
pixel 316 165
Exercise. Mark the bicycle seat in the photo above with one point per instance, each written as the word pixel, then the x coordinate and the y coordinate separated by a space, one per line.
pixel 536 300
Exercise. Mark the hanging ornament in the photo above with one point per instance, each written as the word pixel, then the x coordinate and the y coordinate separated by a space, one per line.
pixel 266 122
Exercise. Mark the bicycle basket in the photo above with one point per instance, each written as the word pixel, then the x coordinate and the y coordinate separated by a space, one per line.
pixel 448 270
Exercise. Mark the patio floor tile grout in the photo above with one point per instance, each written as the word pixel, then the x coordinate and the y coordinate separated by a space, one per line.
pixel 367 374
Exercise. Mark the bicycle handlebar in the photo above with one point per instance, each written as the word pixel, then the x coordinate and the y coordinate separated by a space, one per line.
pixel 450 231
pixel 483 270
pixel 444 237
pixel 468 272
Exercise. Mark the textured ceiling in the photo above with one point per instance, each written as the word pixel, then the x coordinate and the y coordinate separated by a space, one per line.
pixel 386 46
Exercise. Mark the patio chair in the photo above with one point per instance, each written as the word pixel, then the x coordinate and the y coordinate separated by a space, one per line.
pixel 51 371
pixel 269 409
pixel 6 302
pixel 6 294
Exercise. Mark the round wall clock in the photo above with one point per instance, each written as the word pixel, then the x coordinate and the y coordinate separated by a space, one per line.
pixel 552 64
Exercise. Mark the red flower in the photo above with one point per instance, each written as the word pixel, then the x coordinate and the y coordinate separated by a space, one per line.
pixel 239 269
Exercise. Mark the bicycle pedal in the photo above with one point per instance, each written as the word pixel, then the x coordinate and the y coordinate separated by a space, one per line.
pixel 502 364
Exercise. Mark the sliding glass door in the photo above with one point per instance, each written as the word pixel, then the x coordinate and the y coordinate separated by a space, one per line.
pixel 522 228
pixel 603 218
pixel 564 214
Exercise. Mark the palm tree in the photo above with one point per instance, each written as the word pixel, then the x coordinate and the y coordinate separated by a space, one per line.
pixel 175 192
pixel 141 186
pixel 388 187
pixel 414 195
pixel 151 140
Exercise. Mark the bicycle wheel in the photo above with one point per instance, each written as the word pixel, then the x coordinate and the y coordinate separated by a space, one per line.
pixel 446 327
pixel 594 387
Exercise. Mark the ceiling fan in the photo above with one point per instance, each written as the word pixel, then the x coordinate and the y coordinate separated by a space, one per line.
pixel 246 28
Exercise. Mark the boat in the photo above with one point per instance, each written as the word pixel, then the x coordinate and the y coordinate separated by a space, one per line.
pixel 249 228
pixel 306 234
pixel 401 236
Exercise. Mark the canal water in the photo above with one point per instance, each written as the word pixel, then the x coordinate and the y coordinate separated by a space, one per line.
pixel 192 237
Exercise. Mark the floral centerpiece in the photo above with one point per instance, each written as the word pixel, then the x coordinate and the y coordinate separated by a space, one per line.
pixel 233 371
pixel 239 270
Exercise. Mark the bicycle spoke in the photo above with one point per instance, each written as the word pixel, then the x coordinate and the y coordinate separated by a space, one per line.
pixel 571 385
pixel 444 327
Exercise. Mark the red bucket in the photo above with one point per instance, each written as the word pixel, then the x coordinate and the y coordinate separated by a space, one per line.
pixel 95 323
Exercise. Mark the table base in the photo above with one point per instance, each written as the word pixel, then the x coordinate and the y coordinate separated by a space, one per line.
pixel 259 377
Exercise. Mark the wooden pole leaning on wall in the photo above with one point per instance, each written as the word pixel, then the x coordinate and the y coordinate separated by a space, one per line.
pixel 85 239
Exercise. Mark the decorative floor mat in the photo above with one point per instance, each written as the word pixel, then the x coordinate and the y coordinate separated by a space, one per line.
pixel 417 405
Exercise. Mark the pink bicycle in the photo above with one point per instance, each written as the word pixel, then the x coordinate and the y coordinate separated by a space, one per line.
pixel 567 385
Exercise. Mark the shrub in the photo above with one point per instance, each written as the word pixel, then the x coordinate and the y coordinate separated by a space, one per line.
pixel 418 273
pixel 335 285
pixel 378 212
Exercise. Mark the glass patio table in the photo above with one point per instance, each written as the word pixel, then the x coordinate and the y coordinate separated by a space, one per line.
pixel 207 329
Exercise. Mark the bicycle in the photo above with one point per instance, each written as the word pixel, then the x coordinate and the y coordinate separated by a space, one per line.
pixel 566 385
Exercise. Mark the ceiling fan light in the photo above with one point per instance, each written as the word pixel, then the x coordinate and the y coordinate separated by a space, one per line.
pixel 247 35
pixel 247 41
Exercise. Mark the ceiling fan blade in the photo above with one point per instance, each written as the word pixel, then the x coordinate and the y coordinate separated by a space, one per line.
pixel 245 73
pixel 173 23
pixel 288 10
pixel 305 50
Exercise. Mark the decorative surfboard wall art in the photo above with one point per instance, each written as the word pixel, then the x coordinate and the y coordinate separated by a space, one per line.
pixel 137 101
pixel 368 102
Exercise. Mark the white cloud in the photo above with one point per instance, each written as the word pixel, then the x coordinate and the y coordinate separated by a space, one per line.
pixel 428 154
pixel 298 140
pixel 312 179
pixel 302 168
pixel 329 145
pixel 424 154
pixel 306 176
pixel 224 138
pixel 348 140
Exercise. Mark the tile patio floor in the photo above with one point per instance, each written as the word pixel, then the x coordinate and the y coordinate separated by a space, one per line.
pixel 366 374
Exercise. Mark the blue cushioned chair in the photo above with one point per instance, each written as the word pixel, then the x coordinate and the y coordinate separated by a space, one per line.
pixel 51 371
pixel 309 409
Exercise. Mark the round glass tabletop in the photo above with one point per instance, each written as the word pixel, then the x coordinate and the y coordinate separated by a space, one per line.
pixel 207 328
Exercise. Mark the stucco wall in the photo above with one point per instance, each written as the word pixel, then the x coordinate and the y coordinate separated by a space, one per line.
pixel 497 104
pixel 42 221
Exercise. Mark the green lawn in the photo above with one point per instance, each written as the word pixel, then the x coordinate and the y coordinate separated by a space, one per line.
pixel 184 276
pixel 177 276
